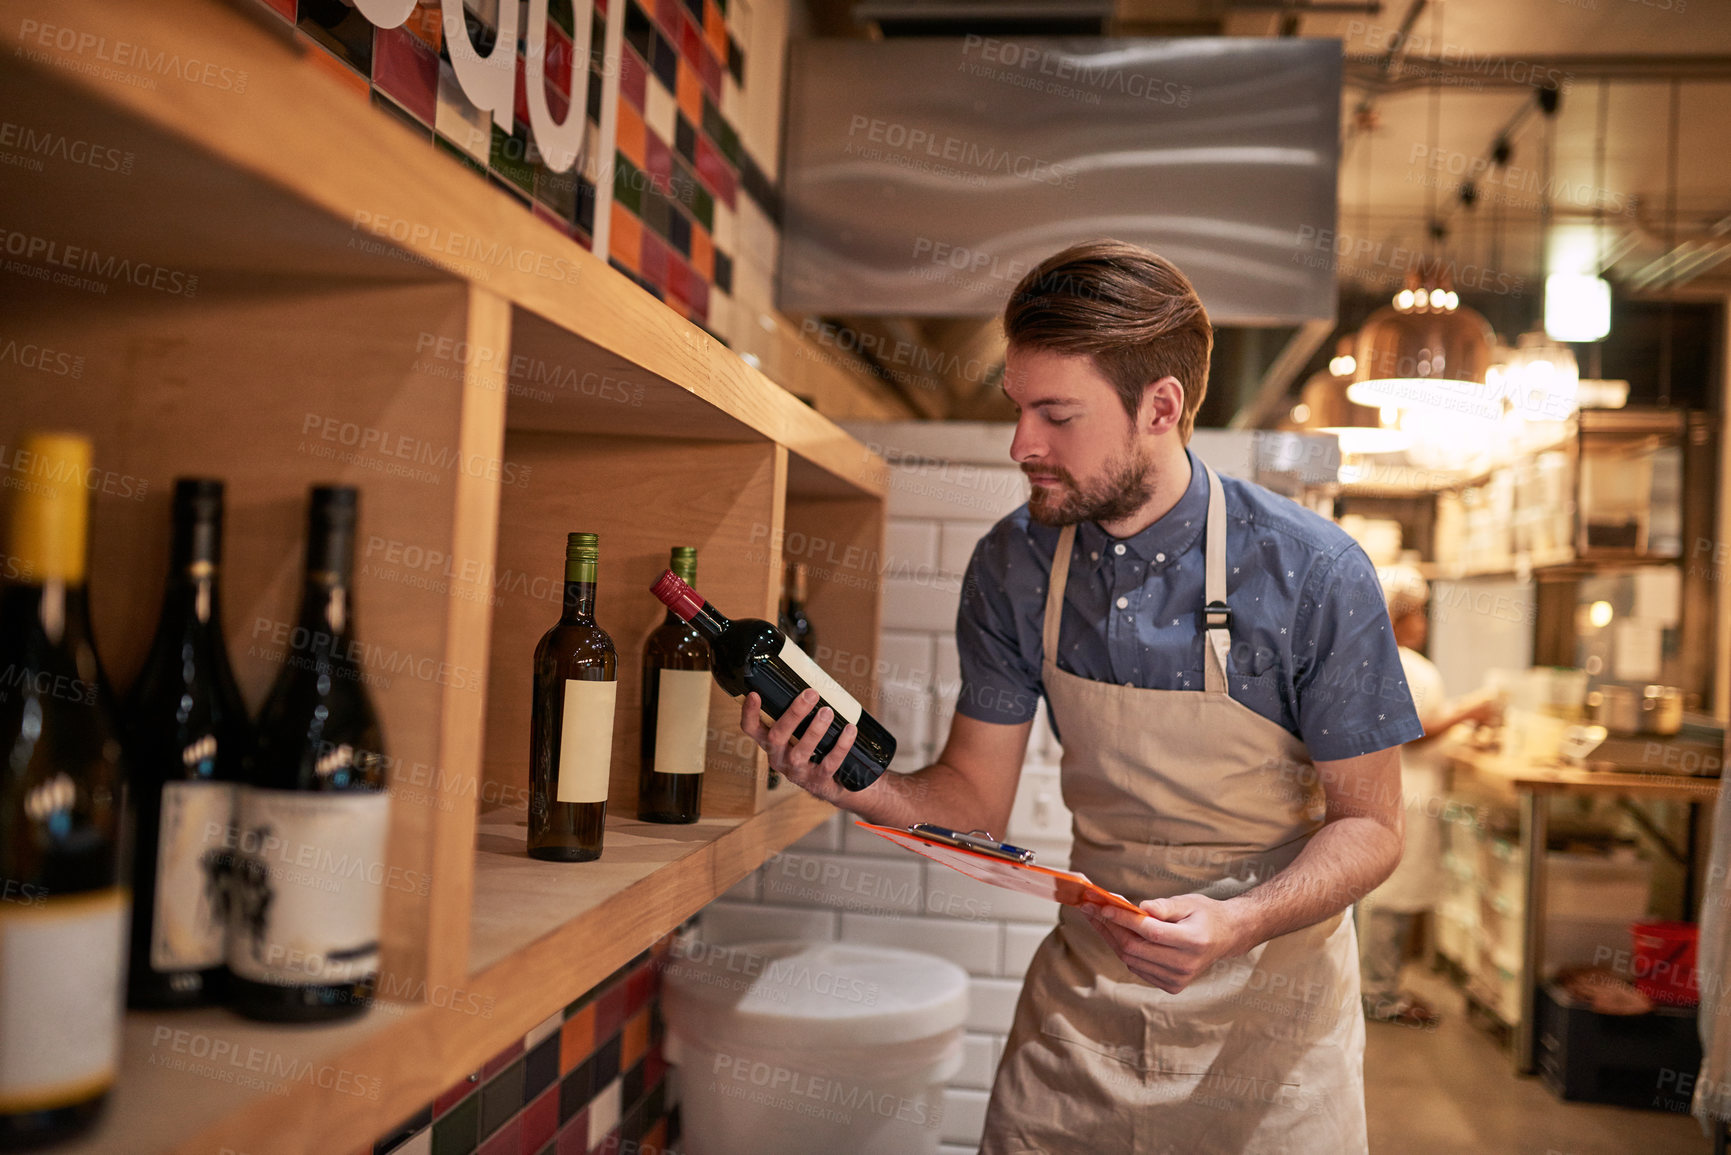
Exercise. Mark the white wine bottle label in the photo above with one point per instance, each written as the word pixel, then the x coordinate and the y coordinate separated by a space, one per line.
pixel 60 998
pixel 307 877
pixel 187 930
pixel 681 721
pixel 842 702
pixel 586 741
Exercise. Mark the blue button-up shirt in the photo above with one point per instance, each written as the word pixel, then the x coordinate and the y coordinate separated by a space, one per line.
pixel 1312 647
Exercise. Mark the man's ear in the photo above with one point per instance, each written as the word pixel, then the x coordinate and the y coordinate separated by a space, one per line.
pixel 1162 406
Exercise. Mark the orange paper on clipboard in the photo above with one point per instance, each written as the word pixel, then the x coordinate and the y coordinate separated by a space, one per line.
pixel 1040 881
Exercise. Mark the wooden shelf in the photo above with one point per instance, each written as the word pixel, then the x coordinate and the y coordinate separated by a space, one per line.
pixel 340 264
pixel 200 1082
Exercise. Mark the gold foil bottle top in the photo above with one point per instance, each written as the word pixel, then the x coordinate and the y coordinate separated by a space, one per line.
pixel 50 506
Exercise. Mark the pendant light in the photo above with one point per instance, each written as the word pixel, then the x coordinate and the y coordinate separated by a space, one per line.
pixel 1426 350
pixel 1578 305
pixel 1541 377
pixel 1359 428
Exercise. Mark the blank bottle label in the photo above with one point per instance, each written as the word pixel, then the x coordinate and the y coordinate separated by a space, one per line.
pixel 681 721
pixel 307 882
pixel 186 930
pixel 842 702
pixel 60 998
pixel 586 741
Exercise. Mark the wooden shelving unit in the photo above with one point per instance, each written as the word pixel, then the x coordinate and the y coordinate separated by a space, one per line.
pixel 283 287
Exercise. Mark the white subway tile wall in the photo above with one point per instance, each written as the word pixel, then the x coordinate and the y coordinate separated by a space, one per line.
pixel 843 883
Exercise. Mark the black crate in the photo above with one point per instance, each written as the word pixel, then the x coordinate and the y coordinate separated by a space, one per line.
pixel 1648 1061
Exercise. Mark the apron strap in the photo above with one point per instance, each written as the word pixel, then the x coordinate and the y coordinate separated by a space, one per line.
pixel 1055 584
pixel 1217 617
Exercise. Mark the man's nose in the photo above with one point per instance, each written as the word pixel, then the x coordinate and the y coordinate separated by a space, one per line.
pixel 1025 446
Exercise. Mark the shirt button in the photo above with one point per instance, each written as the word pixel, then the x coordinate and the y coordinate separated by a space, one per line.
pixel 1094 556
pixel 1118 549
pixel 1122 602
pixel 1159 557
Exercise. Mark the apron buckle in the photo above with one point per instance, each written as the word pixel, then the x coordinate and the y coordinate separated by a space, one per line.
pixel 1217 615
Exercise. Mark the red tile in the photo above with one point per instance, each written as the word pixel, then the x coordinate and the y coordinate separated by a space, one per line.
pixel 507 1140
pixel 574 1136
pixel 667 14
pixel 658 163
pixel 540 1120
pixel 699 298
pixel 609 1145
pixel 690 40
pixel 709 71
pixel 557 58
pixel 520 106
pixel 654 1067
pixel 600 7
pixel 652 268
pixel 641 985
pixel 284 8
pixel 502 1060
pixel 407 70
pixel 714 171
pixel 456 1093
pixel 633 77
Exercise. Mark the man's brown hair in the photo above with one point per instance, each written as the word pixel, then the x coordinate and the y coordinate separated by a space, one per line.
pixel 1133 313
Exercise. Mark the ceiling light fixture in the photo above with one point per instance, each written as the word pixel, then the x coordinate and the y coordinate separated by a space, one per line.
pixel 1426 350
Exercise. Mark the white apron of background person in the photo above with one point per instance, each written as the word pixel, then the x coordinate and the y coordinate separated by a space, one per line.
pixel 1176 792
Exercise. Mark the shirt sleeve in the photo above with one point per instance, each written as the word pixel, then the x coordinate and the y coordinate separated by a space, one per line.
pixel 1354 698
pixel 1000 682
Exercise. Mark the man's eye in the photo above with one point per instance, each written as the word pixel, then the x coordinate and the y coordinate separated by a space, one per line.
pixel 1060 420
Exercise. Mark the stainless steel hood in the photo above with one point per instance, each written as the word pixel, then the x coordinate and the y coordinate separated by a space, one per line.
pixel 923 177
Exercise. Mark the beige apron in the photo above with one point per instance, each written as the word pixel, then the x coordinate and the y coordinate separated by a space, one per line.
pixel 1176 792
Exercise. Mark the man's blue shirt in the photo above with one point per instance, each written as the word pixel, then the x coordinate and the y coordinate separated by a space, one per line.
pixel 1312 647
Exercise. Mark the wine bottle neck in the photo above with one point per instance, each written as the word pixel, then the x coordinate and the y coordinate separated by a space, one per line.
pixel 579 601
pixel 710 621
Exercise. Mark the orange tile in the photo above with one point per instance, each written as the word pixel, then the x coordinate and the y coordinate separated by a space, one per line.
pixel 655 1139
pixel 635 1042
pixel 577 1036
pixel 702 253
pixel 625 245
pixel 715 29
pixel 425 24
pixel 629 134
pixel 690 93
pixel 319 58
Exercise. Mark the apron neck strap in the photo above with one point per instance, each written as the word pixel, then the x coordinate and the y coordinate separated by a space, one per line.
pixel 1217 617
pixel 1215 614
pixel 1055 591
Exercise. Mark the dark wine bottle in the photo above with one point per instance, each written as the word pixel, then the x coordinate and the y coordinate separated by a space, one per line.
pixel 63 899
pixel 753 656
pixel 188 737
pixel 676 685
pixel 306 872
pixel 571 721
pixel 795 622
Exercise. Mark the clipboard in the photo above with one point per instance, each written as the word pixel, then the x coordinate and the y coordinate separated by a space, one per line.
pixel 999 864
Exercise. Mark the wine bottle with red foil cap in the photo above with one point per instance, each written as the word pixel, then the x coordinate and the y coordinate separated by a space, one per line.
pixel 753 656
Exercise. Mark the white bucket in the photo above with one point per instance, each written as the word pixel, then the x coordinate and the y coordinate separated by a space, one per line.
pixel 812 1048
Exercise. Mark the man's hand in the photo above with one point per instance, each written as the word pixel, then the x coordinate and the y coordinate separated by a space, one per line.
pixel 1174 941
pixel 792 759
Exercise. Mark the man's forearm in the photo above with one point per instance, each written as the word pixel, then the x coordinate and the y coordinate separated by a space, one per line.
pixel 938 793
pixel 1344 861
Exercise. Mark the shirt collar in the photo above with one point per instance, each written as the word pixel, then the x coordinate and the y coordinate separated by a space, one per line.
pixel 1174 534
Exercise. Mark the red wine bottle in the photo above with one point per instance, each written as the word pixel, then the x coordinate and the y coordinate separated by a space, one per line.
pixel 676 691
pixel 753 656
pixel 63 898
pixel 571 719
pixel 188 736
pixel 306 868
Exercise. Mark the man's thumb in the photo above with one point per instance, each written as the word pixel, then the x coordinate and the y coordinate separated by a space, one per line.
pixel 1163 909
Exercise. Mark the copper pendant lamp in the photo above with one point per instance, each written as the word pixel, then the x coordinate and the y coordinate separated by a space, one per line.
pixel 1426 351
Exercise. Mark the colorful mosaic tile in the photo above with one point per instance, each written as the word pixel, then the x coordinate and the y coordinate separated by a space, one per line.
pixel 562 1088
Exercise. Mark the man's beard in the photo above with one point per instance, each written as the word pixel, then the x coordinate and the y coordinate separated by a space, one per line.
pixel 1127 485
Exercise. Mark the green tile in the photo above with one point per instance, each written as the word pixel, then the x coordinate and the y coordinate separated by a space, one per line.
pixel 703 207
pixel 559 11
pixel 510 159
pixel 459 1130
pixel 627 184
